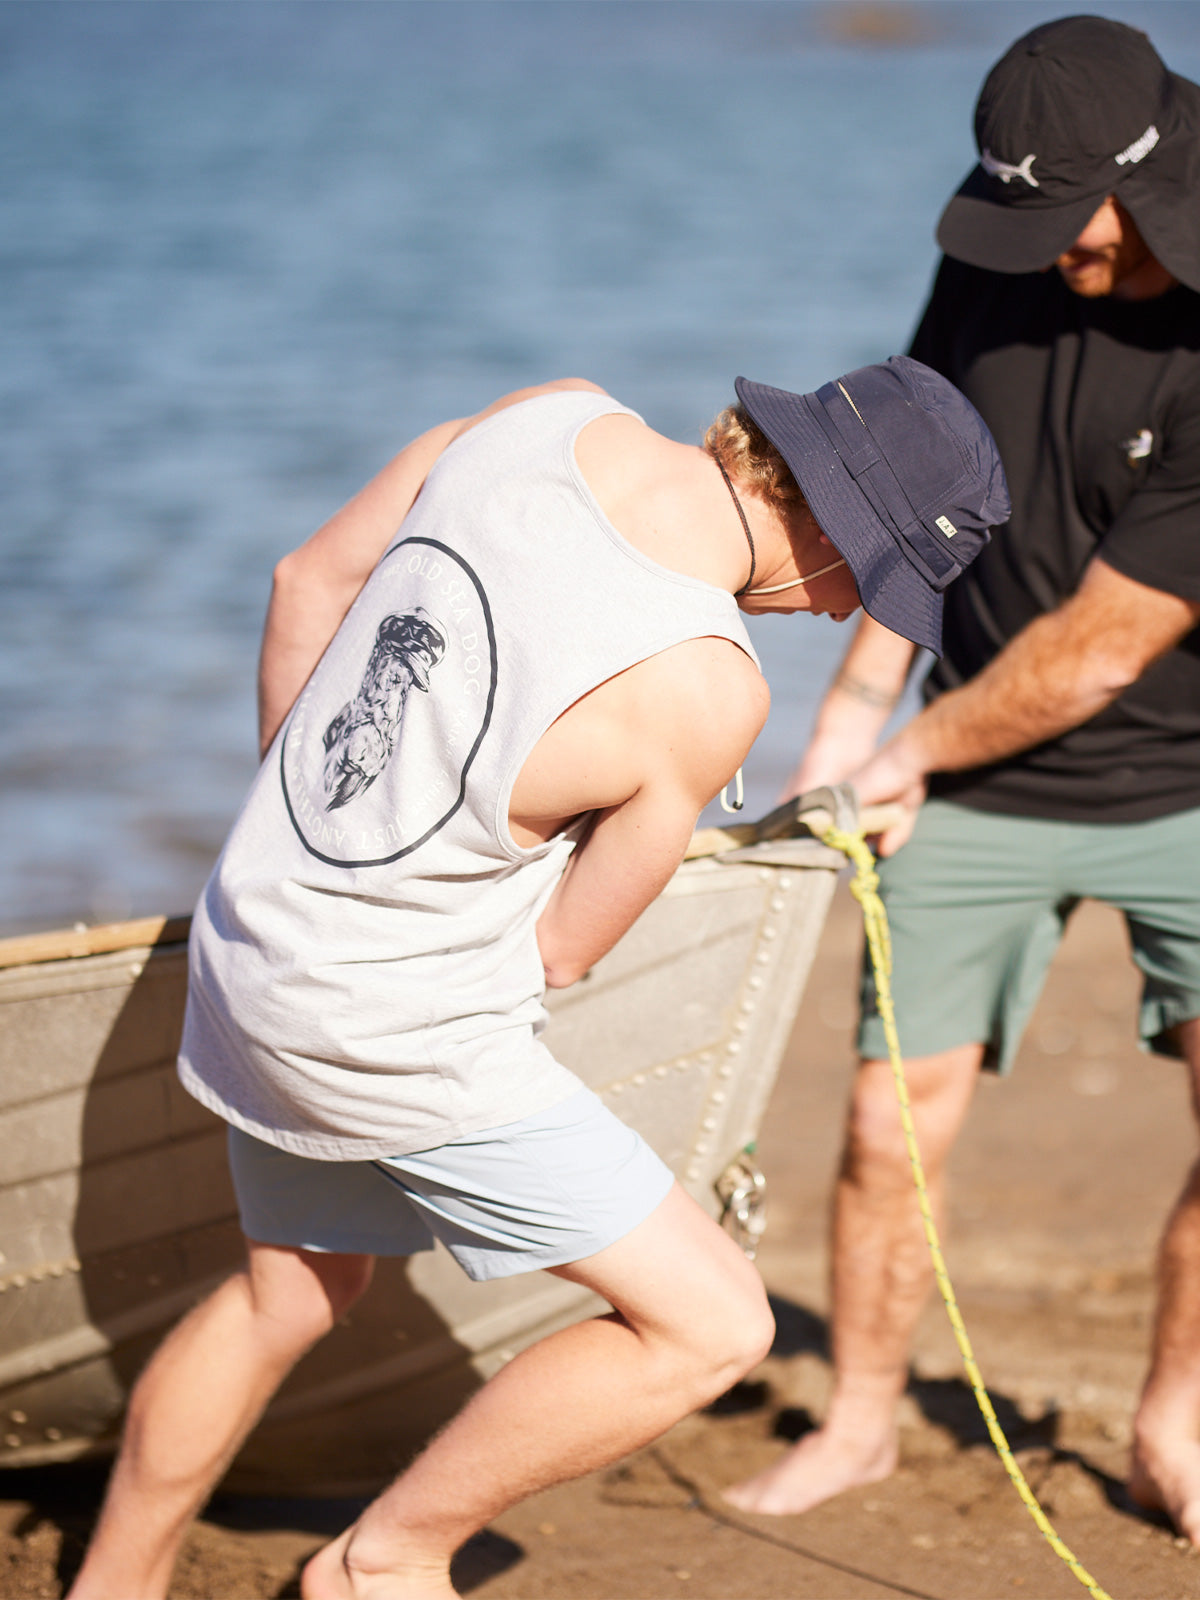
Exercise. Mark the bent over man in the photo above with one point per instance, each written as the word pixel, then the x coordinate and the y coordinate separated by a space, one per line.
pixel 496 690
pixel 1061 739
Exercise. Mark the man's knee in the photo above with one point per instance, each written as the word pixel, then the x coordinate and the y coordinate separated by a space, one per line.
pixel 755 1333
pixel 343 1278
pixel 734 1337
pixel 873 1148
pixel 303 1293
pixel 875 1151
pixel 689 1294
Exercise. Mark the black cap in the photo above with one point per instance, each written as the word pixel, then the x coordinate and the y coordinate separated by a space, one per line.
pixel 902 476
pixel 1076 110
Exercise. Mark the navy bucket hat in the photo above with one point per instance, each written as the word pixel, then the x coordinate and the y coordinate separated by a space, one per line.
pixel 902 476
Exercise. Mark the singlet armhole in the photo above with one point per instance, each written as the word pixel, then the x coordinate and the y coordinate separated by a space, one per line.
pixel 503 831
pixel 603 405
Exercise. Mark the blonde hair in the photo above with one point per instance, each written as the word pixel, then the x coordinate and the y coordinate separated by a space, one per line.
pixel 749 457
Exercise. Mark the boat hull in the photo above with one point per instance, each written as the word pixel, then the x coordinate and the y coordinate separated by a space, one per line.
pixel 116 1212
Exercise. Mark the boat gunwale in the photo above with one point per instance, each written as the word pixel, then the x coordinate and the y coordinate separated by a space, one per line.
pixel 154 933
pixel 69 944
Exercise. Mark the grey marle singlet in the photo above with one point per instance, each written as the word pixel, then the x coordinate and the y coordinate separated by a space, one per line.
pixel 364 972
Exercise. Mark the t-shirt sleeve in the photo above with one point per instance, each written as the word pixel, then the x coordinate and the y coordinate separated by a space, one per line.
pixel 1155 539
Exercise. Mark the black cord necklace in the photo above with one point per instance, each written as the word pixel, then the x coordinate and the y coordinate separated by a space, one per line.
pixel 738 593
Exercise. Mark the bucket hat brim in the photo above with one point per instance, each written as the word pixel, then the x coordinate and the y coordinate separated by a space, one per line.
pixel 891 590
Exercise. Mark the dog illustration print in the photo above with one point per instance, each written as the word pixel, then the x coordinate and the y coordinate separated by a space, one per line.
pixel 360 739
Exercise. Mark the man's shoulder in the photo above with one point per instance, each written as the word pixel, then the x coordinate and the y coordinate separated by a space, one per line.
pixel 971 310
pixel 705 693
pixel 705 675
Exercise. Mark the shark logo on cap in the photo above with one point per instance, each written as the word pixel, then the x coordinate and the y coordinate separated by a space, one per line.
pixel 1006 172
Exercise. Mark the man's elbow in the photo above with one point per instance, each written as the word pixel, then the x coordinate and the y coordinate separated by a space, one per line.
pixel 561 973
pixel 294 579
pixel 564 961
pixel 1112 671
pixel 1114 629
pixel 1091 669
pixel 284 574
pixel 305 577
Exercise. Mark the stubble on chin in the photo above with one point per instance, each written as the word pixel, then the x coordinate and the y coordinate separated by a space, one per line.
pixel 1090 281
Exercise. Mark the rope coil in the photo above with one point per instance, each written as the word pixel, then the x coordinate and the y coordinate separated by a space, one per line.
pixel 864 887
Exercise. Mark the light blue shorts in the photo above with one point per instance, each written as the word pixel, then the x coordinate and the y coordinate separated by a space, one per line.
pixel 977 904
pixel 555 1187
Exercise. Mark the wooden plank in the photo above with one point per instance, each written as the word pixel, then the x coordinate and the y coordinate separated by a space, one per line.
pixel 64 1024
pixel 65 943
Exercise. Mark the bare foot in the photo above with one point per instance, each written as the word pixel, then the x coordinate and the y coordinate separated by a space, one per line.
pixel 1166 1477
pixel 818 1467
pixel 328 1577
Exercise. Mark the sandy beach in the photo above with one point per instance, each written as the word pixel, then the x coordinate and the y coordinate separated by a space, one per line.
pixel 1060 1186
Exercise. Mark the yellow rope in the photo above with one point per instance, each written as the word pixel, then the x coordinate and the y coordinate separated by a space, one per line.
pixel 864 889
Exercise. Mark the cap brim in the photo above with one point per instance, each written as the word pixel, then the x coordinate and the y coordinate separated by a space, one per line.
pixel 1007 237
pixel 891 591
pixel 1162 194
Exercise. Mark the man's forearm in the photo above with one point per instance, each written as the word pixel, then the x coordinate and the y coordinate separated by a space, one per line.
pixel 1058 672
pixel 871 677
pixel 1027 695
pixel 1061 670
pixel 623 862
pixel 302 618
pixel 855 708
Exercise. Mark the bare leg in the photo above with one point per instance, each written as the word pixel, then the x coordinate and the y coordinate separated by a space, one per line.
pixel 881 1279
pixel 1165 1472
pixel 201 1394
pixel 690 1317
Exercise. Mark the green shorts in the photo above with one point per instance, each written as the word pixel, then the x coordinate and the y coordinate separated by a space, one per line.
pixel 977 904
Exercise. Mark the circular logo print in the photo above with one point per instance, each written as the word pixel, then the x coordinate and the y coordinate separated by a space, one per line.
pixel 375 757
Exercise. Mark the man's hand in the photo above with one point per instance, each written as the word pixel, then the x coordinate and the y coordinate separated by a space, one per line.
pixel 856 706
pixel 1059 671
pixel 833 756
pixel 891 779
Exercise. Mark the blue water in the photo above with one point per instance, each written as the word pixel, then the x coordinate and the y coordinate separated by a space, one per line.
pixel 248 249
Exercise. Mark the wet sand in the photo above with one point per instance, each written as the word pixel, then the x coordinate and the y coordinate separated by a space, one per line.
pixel 1060 1185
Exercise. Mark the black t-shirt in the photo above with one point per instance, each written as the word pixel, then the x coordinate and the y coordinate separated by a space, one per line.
pixel 1095 407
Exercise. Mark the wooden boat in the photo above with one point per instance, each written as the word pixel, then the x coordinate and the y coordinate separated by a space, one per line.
pixel 116 1212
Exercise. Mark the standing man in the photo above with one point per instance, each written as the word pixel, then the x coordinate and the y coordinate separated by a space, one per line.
pixel 1060 742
